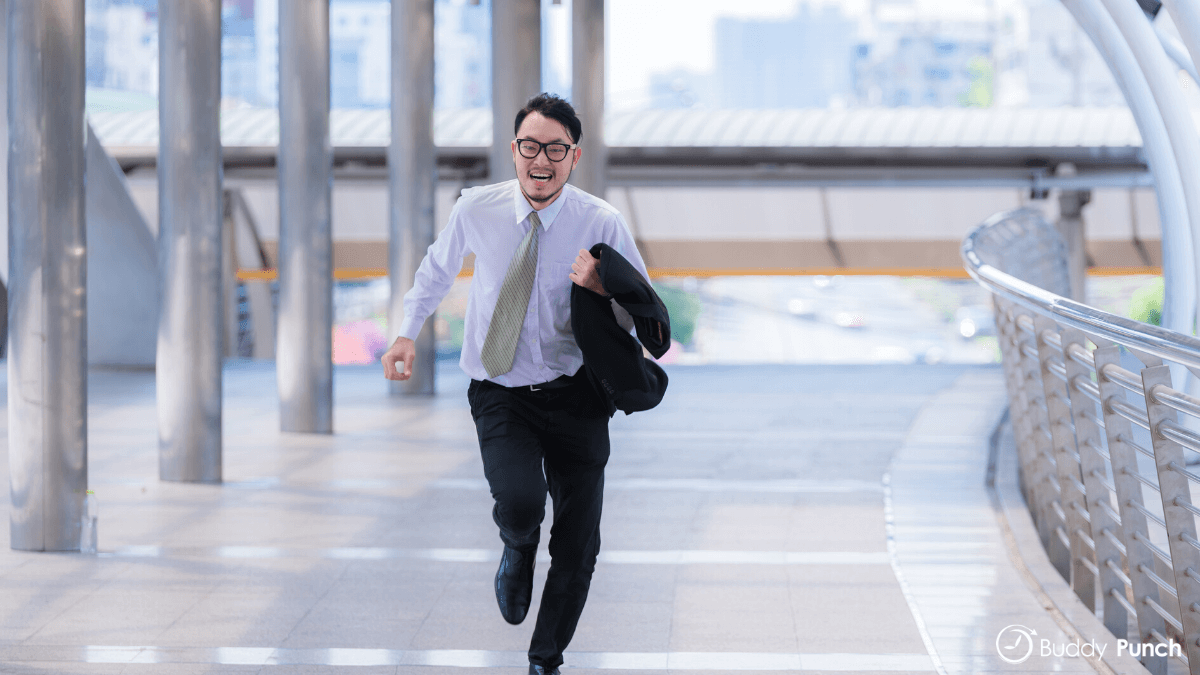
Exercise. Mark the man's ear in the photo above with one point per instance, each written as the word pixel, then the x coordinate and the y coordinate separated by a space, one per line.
pixel 513 147
pixel 578 154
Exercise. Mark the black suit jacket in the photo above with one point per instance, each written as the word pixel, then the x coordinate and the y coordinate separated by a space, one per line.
pixel 616 368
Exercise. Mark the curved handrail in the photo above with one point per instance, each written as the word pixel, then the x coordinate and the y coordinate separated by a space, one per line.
pixel 1074 410
pixel 1142 337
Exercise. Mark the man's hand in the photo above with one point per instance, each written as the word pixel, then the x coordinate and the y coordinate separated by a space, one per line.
pixel 404 350
pixel 585 271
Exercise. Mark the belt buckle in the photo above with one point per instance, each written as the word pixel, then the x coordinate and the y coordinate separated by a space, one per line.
pixel 533 388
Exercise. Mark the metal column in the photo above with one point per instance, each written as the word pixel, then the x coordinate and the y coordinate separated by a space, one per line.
pixel 516 75
pixel 304 352
pixel 1162 77
pixel 412 173
pixel 4 189
pixel 1186 16
pixel 47 364
pixel 188 362
pixel 587 93
pixel 1179 274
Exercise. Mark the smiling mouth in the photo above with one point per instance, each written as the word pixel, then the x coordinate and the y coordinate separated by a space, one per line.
pixel 540 178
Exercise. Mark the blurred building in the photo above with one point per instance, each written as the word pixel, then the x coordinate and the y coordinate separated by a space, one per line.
pixel 914 54
pixel 1064 67
pixel 974 53
pixel 937 67
pixel 360 53
pixel 121 50
pixel 239 72
pixel 95 42
pixel 681 88
pixel 266 52
pixel 893 53
pixel 463 65
pixel 805 61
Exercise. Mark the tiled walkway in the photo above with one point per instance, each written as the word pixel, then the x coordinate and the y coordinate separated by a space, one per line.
pixel 748 526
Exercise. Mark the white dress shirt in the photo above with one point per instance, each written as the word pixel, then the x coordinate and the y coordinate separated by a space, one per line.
pixel 490 221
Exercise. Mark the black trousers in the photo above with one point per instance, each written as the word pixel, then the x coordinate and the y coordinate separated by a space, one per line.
pixel 555 441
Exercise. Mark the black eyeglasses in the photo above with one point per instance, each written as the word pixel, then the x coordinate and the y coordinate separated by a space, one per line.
pixel 555 152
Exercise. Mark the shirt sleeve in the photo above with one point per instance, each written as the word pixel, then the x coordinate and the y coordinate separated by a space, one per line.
pixel 435 276
pixel 621 239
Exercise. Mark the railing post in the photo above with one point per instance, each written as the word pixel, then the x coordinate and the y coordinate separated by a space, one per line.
pixel 1072 499
pixel 1091 463
pixel 1134 529
pixel 1176 497
pixel 1042 478
pixel 1010 348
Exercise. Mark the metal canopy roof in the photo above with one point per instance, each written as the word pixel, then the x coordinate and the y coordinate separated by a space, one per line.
pixel 943 146
pixel 871 127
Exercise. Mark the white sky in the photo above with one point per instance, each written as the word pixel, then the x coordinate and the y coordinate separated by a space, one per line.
pixel 661 35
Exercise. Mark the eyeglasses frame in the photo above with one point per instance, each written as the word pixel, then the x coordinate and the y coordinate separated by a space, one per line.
pixel 542 147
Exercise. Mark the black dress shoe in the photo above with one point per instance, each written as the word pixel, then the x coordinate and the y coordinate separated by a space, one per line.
pixel 514 584
pixel 542 670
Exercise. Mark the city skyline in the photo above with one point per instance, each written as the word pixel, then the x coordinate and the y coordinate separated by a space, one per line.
pixel 754 54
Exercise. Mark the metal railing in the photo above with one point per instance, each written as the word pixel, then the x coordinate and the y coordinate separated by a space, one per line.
pixel 1105 443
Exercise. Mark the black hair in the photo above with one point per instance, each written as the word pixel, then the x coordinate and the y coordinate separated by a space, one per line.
pixel 552 107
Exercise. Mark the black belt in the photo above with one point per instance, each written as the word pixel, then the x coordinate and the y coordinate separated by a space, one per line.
pixel 559 382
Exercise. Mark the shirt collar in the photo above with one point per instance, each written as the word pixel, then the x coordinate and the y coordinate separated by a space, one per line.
pixel 546 215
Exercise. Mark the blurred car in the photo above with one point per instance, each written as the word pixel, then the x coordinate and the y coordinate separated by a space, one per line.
pixel 823 282
pixel 975 321
pixel 802 308
pixel 850 319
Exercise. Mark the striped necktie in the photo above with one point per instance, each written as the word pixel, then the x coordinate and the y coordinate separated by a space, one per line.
pixel 501 342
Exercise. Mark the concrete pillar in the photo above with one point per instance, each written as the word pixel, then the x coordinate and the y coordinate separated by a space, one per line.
pixel 1070 227
pixel 189 358
pixel 304 347
pixel 4 196
pixel 47 300
pixel 516 75
pixel 412 173
pixel 587 93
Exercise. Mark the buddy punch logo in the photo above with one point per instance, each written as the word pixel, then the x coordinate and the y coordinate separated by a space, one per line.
pixel 1016 643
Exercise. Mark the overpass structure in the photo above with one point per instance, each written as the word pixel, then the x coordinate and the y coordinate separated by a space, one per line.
pixel 789 189
pixel 827 520
pixel 821 191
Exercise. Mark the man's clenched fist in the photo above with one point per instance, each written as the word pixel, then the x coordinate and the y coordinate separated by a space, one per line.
pixel 585 271
pixel 404 350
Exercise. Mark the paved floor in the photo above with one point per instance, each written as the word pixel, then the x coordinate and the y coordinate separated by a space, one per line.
pixel 748 526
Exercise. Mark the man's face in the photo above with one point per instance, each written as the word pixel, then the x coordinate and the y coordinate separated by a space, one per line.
pixel 541 179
